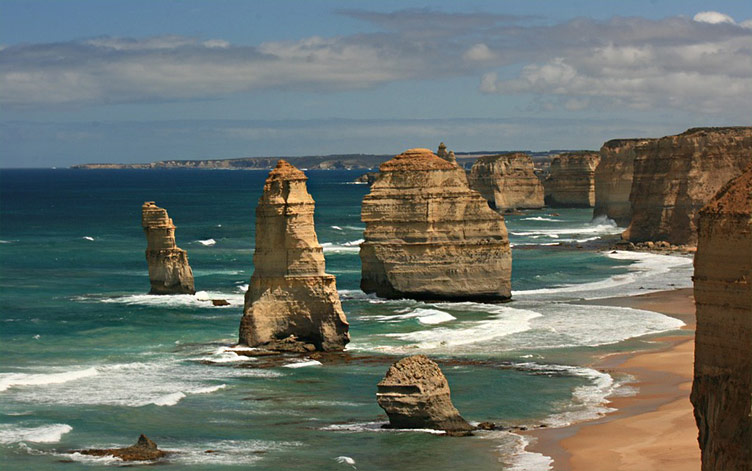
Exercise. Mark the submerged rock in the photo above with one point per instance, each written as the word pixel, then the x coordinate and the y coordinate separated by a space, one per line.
pixel 291 303
pixel 507 181
pixel 169 271
pixel 429 236
pixel 571 180
pixel 722 387
pixel 675 176
pixel 415 394
pixel 143 450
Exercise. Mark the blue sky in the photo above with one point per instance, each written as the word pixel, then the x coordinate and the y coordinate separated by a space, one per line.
pixel 138 81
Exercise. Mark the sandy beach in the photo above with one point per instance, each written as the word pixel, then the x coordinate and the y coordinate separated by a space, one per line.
pixel 652 430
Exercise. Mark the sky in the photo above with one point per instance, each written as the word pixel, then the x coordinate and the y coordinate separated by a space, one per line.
pixel 147 80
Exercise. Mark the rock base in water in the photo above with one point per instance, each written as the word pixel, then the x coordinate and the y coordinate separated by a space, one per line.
pixel 169 271
pixel 143 450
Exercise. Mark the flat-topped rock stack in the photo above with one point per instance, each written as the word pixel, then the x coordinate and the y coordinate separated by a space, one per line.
pixel 571 180
pixel 169 271
pixel 429 236
pixel 722 388
pixel 675 176
pixel 613 180
pixel 507 181
pixel 291 303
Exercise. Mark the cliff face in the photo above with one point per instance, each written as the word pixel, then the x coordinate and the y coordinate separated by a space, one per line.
pixel 429 236
pixel 613 180
pixel 675 176
pixel 722 388
pixel 507 181
pixel 169 271
pixel 415 394
pixel 291 303
pixel 571 180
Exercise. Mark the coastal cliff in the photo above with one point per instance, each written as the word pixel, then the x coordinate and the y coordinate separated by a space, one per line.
pixel 507 181
pixel 613 180
pixel 169 271
pixel 291 303
pixel 429 236
pixel 571 180
pixel 722 388
pixel 675 176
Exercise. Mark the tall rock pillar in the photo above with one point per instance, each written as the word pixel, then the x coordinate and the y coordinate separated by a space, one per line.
pixel 169 271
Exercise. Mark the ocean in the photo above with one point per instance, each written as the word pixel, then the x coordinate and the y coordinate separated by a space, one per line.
pixel 89 360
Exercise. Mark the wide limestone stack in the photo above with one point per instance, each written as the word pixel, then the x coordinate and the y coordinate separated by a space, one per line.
pixel 571 180
pixel 722 388
pixel 415 394
pixel 675 176
pixel 429 236
pixel 613 180
pixel 291 303
pixel 507 181
pixel 169 271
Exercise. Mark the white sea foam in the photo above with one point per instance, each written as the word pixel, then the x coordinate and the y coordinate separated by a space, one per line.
pixel 9 380
pixel 10 433
pixel 337 228
pixel 600 226
pixel 225 452
pixel 376 427
pixel 167 399
pixel 523 460
pixel 345 460
pixel 200 299
pixel 422 315
pixel 227 355
pixel 207 242
pixel 540 218
pixel 302 364
pixel 346 247
pixel 88 238
pixel 107 460
pixel 6 241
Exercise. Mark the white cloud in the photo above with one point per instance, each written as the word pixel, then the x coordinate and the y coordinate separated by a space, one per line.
pixel 479 52
pixel 713 17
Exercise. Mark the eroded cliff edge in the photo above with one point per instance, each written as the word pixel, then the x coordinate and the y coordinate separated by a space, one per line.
pixel 291 303
pixel 429 236
pixel 507 181
pixel 613 180
pixel 722 388
pixel 571 180
pixel 169 271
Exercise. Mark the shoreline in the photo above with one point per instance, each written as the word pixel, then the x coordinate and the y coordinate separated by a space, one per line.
pixel 653 429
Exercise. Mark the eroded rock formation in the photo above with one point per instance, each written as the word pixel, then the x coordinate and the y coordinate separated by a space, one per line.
pixel 675 176
pixel 445 154
pixel 722 388
pixel 429 236
pixel 143 450
pixel 571 180
pixel 415 394
pixel 507 181
pixel 613 180
pixel 169 271
pixel 291 303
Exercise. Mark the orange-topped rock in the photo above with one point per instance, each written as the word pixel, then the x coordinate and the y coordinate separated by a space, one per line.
pixel 169 271
pixel 285 171
pixel 416 159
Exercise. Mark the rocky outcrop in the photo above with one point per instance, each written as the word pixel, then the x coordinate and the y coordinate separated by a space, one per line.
pixel 169 271
pixel 443 153
pixel 143 450
pixel 571 180
pixel 507 181
pixel 291 303
pixel 722 388
pixel 429 236
pixel 675 176
pixel 368 178
pixel 613 180
pixel 415 394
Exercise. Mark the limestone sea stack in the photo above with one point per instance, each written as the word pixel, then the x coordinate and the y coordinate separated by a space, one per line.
pixel 291 303
pixel 722 388
pixel 613 180
pixel 429 236
pixel 675 176
pixel 169 271
pixel 445 154
pixel 571 180
pixel 415 394
pixel 507 181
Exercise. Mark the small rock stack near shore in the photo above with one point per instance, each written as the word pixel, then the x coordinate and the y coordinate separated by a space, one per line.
pixel 169 271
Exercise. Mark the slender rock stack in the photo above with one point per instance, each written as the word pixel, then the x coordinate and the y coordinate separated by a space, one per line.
pixel 429 236
pixel 291 303
pixel 446 155
pixel 571 181
pixel 169 271
pixel 507 181
pixel 722 388
pixel 415 394
pixel 675 176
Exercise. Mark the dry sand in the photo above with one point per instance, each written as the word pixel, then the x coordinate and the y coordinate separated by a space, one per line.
pixel 653 430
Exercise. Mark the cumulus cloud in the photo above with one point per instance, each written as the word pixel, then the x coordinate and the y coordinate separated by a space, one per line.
pixel 713 17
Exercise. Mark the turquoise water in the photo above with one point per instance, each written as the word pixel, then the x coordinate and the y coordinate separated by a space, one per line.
pixel 89 360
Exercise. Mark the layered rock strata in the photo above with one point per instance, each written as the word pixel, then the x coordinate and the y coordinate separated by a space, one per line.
pixel 613 180
pixel 722 388
pixel 675 176
pixel 571 180
pixel 169 271
pixel 429 236
pixel 415 394
pixel 507 181
pixel 291 303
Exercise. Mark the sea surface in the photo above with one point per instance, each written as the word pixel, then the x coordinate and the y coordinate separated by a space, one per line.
pixel 89 360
